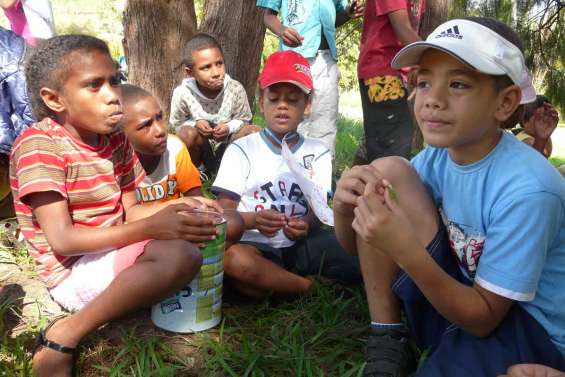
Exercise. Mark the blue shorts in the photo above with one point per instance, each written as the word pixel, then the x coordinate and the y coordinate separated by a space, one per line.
pixel 318 254
pixel 453 352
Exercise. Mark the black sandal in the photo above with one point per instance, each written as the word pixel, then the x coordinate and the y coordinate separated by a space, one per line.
pixel 42 341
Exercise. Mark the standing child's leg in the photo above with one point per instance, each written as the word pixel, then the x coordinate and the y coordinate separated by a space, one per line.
pixel 164 267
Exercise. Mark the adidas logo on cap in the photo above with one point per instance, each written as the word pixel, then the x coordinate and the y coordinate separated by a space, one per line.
pixel 450 33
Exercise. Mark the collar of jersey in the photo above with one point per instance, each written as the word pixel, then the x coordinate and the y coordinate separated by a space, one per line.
pixel 275 150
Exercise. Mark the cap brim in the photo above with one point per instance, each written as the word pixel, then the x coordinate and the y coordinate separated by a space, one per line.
pixel 300 85
pixel 410 56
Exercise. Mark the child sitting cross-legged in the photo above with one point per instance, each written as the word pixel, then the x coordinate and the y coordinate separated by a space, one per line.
pixel 171 177
pixel 209 109
pixel 282 242
pixel 481 281
pixel 73 178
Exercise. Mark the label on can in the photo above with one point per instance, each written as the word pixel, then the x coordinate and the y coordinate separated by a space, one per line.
pixel 170 306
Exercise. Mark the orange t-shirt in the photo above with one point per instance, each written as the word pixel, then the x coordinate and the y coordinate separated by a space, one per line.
pixel 175 175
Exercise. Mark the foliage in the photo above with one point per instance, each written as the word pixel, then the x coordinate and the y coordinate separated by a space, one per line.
pixel 102 18
pixel 540 26
pixel 348 38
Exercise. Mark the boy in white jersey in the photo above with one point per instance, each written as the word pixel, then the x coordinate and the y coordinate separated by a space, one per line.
pixel 281 243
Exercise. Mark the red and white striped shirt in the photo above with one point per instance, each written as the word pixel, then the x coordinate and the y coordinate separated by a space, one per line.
pixel 92 179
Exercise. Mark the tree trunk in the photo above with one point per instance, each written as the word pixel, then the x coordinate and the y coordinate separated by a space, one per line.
pixel 238 27
pixel 436 13
pixel 154 34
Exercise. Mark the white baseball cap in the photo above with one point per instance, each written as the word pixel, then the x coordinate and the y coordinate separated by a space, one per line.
pixel 477 46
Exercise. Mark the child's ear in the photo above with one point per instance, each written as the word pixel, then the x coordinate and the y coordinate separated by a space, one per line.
pixel 260 103
pixel 308 107
pixel 508 101
pixel 52 99
pixel 188 71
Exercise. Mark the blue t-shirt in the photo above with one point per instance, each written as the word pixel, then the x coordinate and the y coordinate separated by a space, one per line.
pixel 505 216
pixel 309 18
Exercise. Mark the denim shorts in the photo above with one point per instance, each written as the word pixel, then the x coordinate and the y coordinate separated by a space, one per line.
pixel 519 338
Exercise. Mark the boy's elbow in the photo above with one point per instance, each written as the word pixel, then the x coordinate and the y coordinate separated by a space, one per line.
pixel 482 328
pixel 60 248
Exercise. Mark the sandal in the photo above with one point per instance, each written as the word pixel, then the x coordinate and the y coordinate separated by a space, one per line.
pixel 42 341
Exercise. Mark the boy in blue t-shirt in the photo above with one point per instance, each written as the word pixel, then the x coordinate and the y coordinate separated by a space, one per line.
pixel 309 28
pixel 481 284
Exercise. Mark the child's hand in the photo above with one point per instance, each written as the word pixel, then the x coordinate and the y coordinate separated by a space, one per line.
pixel 202 203
pixel 204 128
pixel 382 223
pixel 352 185
pixel 356 8
pixel 291 37
pixel 545 120
pixel 177 221
pixel 295 228
pixel 221 132
pixel 269 222
pixel 532 370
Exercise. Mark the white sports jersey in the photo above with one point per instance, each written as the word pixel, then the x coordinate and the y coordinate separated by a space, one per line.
pixel 253 170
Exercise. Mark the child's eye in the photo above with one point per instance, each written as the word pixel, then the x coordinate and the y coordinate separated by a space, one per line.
pixel 459 85
pixel 115 80
pixel 159 116
pixel 93 84
pixel 145 124
pixel 422 84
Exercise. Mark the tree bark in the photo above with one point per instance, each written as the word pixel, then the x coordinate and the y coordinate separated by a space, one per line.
pixel 238 27
pixel 436 13
pixel 154 34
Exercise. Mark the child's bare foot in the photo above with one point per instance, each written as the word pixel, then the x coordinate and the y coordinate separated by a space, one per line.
pixel 54 355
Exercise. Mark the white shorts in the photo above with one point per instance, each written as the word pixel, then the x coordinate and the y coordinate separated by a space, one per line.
pixel 92 273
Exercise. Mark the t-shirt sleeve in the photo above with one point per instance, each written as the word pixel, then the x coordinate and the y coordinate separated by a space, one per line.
pixel 241 112
pixel 180 110
pixel 517 241
pixel 132 172
pixel 37 166
pixel 271 4
pixel 233 173
pixel 188 176
pixel 384 7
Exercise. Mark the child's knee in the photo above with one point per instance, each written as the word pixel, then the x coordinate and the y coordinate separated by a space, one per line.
pixel 239 265
pixel 182 258
pixel 188 135
pixel 392 166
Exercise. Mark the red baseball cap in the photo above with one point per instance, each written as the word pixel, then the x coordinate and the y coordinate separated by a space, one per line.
pixel 287 66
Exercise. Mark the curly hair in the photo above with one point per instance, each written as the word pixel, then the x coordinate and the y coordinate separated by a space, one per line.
pixel 198 42
pixel 132 94
pixel 48 66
